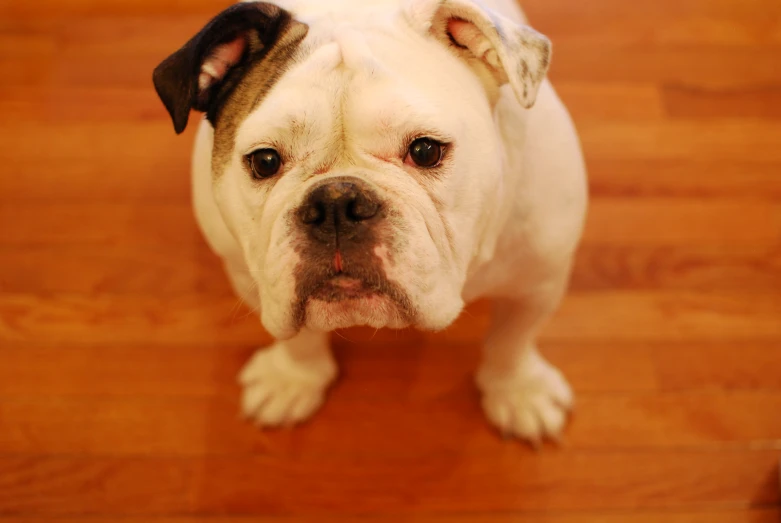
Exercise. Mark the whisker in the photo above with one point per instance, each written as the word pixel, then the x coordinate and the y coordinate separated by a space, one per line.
pixel 243 299
pixel 342 336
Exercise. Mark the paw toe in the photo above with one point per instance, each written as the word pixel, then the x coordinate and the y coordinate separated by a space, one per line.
pixel 278 391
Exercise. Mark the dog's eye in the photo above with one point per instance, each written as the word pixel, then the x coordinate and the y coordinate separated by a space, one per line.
pixel 425 152
pixel 264 163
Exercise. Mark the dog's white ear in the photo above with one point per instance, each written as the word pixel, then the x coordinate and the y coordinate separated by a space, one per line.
pixel 510 52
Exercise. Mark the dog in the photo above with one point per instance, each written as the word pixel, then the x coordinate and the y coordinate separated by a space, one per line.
pixel 384 163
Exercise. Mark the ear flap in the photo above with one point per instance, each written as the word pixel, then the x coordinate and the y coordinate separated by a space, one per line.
pixel 512 53
pixel 203 72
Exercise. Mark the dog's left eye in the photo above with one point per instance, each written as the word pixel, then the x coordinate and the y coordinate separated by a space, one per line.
pixel 425 152
pixel 264 163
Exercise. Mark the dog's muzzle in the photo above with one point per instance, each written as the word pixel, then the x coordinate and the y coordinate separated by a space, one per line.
pixel 341 279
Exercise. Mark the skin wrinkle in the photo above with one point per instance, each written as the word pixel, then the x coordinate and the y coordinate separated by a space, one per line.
pixel 439 206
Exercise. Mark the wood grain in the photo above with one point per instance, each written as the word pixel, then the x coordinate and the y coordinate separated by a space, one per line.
pixel 120 338
pixel 410 425
pixel 668 516
pixel 397 367
pixel 441 482
pixel 703 179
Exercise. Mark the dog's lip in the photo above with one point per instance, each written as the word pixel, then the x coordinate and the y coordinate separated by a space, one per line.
pixel 345 282
pixel 343 287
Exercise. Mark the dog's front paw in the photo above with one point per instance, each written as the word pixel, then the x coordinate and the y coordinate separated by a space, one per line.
pixel 279 390
pixel 532 403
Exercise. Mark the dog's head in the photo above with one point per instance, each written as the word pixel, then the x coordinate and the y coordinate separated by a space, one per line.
pixel 356 158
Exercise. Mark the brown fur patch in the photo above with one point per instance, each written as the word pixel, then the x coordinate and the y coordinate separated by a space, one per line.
pixel 252 89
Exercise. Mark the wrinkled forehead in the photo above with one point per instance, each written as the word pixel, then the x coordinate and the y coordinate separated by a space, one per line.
pixel 309 92
pixel 364 78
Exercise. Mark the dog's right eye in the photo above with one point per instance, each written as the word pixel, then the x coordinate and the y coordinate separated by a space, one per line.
pixel 264 163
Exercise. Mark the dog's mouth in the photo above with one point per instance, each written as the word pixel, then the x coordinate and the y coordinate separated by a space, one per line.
pixel 358 294
pixel 343 287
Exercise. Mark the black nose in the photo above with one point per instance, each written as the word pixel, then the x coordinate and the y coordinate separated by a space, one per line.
pixel 339 209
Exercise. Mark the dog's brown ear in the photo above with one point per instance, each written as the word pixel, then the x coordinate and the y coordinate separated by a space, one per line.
pixel 202 74
pixel 509 52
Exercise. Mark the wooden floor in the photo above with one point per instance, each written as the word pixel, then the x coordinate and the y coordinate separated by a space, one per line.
pixel 120 340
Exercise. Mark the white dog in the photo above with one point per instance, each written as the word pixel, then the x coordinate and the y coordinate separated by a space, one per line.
pixel 382 163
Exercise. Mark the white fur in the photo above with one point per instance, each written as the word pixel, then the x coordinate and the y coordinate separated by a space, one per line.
pixel 286 383
pixel 531 403
pixel 513 199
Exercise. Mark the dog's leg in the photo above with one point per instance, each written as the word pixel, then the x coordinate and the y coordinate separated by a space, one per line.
pixel 286 383
pixel 523 395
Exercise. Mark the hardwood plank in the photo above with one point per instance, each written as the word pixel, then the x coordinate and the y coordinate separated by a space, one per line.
pixel 439 483
pixel 671 8
pixel 662 316
pixel 398 368
pixel 719 140
pixel 727 365
pixel 89 269
pixel 110 370
pixel 110 224
pixel 111 169
pixel 759 102
pixel 705 268
pixel 189 318
pixel 133 178
pixel 726 516
pixel 724 67
pixel 688 178
pixel 552 8
pixel 664 29
pixel 769 515
pixel 361 419
pixel 72 104
pixel 14 9
pixel 627 221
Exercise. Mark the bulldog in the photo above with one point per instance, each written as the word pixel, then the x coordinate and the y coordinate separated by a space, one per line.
pixel 384 163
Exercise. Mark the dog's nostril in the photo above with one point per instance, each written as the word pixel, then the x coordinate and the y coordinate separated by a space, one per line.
pixel 360 209
pixel 314 214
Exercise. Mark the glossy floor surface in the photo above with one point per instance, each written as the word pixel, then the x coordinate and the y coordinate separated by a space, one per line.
pixel 120 339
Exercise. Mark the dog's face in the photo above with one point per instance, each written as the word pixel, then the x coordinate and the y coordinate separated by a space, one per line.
pixel 356 159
